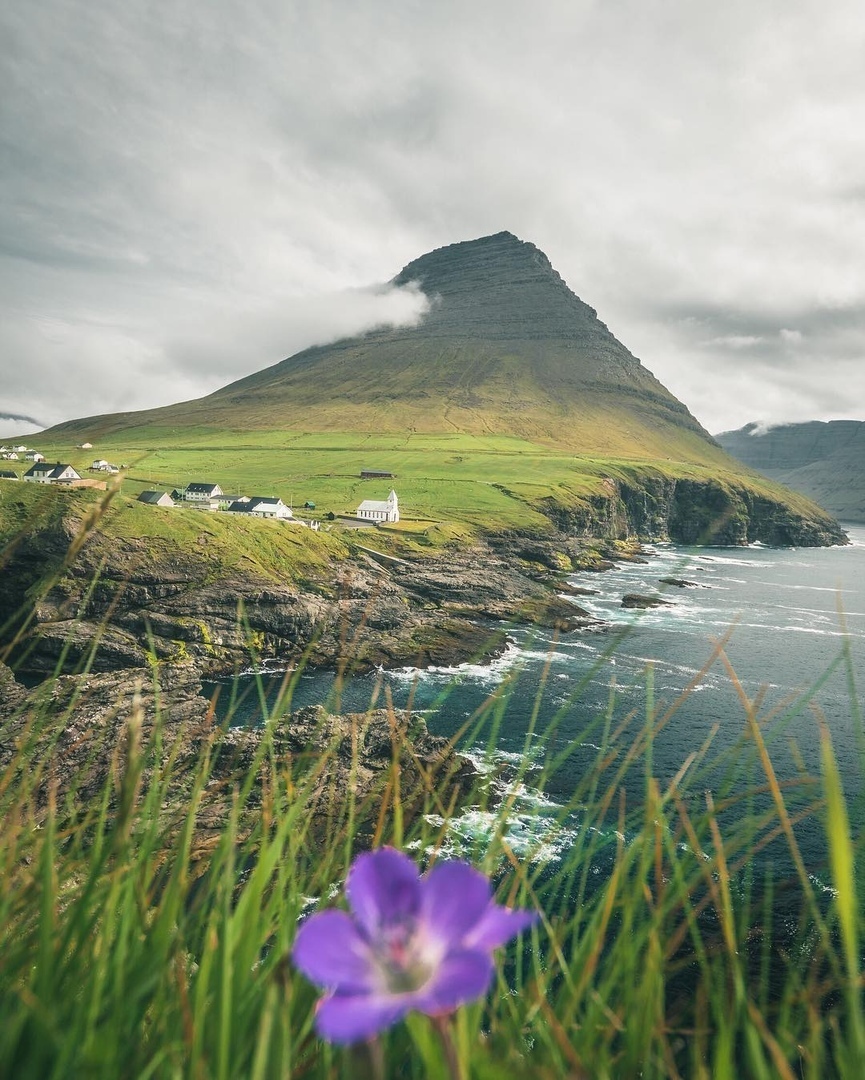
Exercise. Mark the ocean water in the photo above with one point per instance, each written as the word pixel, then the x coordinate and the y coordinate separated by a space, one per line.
pixel 783 629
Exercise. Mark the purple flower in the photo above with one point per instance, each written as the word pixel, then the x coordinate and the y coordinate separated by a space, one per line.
pixel 411 943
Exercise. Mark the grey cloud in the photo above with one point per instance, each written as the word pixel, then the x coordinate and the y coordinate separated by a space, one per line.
pixel 675 161
pixel 228 346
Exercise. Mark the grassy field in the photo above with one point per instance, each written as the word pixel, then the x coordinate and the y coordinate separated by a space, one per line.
pixel 483 481
pixel 271 549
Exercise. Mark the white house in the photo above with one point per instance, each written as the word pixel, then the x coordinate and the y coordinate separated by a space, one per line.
pixel 99 465
pixel 265 506
pixel 34 455
pixel 43 472
pixel 202 493
pixel 374 510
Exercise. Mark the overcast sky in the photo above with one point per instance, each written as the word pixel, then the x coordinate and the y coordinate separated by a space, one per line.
pixel 193 191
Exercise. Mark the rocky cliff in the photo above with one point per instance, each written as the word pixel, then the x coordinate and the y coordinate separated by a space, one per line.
pixel 689 511
pixel 73 598
pixel 129 603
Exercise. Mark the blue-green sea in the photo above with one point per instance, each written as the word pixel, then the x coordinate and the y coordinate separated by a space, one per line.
pixel 791 623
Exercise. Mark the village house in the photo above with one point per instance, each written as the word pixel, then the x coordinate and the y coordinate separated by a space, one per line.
pixel 44 472
pixel 265 506
pixel 378 511
pixel 9 455
pixel 202 493
pixel 7 474
pixel 34 455
pixel 375 474
pixel 156 498
pixel 99 465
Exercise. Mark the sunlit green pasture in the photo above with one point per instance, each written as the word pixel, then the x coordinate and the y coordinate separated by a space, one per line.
pixel 486 481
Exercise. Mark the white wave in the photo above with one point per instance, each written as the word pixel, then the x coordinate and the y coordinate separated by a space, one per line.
pixel 530 836
pixel 493 670
pixel 487 763
pixel 822 886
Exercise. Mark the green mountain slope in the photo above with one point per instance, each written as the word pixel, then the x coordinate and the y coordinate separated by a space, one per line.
pixel 506 349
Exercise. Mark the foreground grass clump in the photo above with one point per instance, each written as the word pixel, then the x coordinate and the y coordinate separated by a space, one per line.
pixel 147 920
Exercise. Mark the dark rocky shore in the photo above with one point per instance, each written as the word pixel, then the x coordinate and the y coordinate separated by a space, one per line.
pixel 123 607
pixel 79 730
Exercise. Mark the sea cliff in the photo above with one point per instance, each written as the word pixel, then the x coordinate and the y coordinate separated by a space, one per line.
pixel 77 593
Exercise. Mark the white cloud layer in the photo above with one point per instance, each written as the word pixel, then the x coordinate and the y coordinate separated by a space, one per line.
pixel 194 191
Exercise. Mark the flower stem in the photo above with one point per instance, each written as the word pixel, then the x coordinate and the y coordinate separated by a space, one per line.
pixel 445 1032
pixel 376 1057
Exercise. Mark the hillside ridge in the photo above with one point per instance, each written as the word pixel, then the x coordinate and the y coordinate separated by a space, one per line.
pixel 822 459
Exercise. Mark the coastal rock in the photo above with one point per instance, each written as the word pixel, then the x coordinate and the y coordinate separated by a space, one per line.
pixel 639 600
pixel 694 512
pixel 84 724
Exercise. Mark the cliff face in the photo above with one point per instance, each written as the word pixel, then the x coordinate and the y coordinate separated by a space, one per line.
pixel 825 461
pixel 127 603
pixel 696 512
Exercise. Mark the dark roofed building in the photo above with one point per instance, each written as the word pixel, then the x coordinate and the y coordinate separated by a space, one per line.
pixel 7 474
pixel 156 498
pixel 202 492
pixel 375 474
pixel 43 472
pixel 261 506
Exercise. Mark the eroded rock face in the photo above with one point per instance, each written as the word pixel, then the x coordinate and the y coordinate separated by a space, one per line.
pixel 697 512
pixel 115 607
pixel 86 722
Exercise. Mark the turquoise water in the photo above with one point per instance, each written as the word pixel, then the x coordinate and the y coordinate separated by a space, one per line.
pixel 786 618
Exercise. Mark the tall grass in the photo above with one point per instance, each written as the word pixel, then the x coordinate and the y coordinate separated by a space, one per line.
pixel 150 894
pixel 154 871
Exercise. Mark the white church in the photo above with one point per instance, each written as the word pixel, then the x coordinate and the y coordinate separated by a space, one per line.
pixel 377 510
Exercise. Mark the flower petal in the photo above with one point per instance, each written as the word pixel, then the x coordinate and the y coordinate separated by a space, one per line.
pixel 383 886
pixel 330 951
pixel 350 1017
pixel 498 925
pixel 462 976
pixel 455 897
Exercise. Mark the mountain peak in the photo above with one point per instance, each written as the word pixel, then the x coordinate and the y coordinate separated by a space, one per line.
pixel 498 288
pixel 505 348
